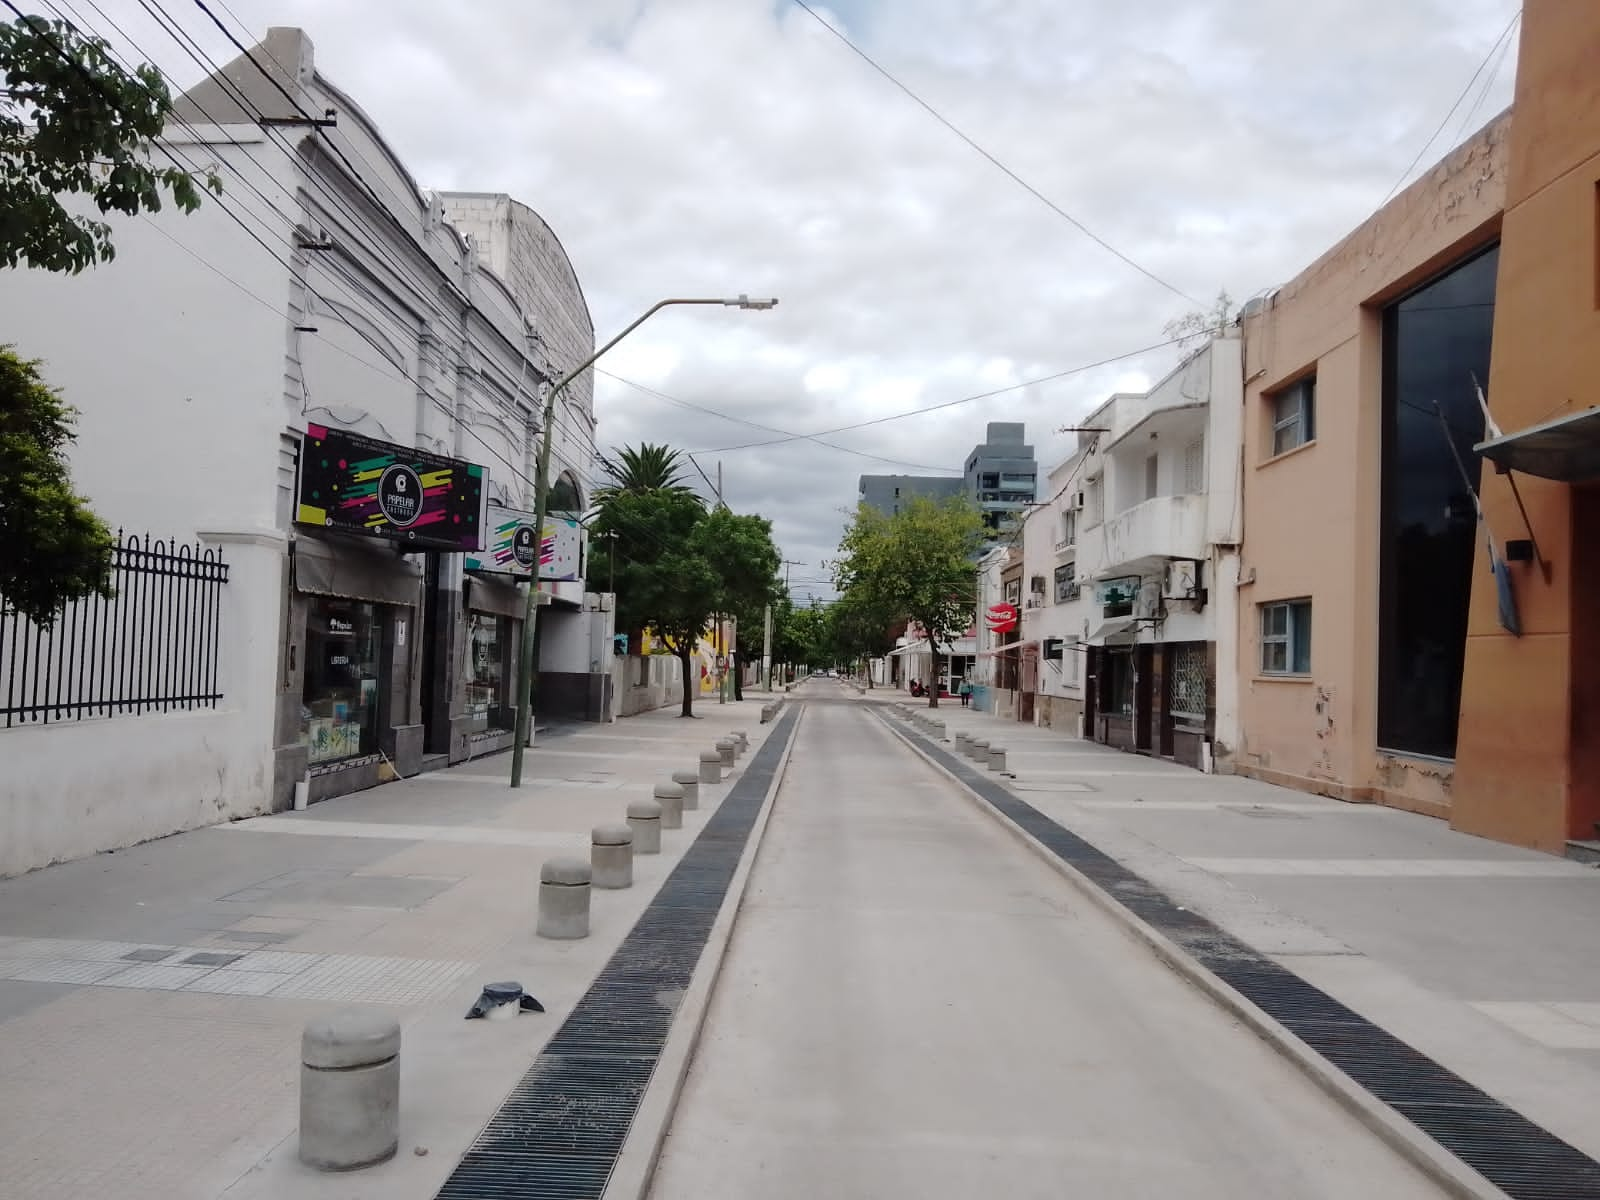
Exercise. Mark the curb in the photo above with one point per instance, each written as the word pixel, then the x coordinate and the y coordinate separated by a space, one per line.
pixel 1433 1160
pixel 636 1165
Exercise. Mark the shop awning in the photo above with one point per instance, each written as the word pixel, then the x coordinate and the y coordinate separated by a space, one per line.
pixel 1123 631
pixel 353 571
pixel 1566 449
pixel 486 594
pixel 959 648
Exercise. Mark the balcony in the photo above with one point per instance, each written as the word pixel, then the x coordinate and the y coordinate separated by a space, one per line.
pixel 1145 535
pixel 1066 547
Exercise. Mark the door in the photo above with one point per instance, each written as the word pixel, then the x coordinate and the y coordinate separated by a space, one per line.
pixel 1028 684
pixel 1144 672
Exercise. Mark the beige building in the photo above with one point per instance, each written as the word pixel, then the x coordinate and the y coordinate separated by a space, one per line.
pixel 1360 414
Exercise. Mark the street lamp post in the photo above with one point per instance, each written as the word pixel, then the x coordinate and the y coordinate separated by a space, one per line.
pixel 541 488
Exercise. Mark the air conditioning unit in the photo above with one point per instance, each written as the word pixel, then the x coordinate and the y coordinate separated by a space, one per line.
pixel 1033 602
pixel 1182 580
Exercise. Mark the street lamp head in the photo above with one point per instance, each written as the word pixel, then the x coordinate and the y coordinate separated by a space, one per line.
pixel 745 302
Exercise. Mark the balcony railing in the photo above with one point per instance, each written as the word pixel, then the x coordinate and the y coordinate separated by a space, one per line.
pixel 1162 528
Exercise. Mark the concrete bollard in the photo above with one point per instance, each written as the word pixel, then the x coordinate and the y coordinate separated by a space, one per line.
pixel 937 728
pixel 727 750
pixel 611 856
pixel 710 766
pixel 978 749
pixel 961 742
pixel 743 739
pixel 997 758
pixel 670 797
pixel 766 713
pixel 644 818
pixel 564 898
pixel 349 1090
pixel 689 781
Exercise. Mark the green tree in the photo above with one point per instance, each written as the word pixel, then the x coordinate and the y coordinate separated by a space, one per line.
pixel 744 561
pixel 678 565
pixel 857 630
pixel 649 468
pixel 55 548
pixel 917 564
pixel 72 123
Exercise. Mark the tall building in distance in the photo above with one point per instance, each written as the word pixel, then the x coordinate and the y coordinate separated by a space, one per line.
pixel 1001 478
pixel 887 493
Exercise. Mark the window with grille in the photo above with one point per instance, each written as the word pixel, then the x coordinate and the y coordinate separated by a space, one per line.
pixel 1066 583
pixel 1188 675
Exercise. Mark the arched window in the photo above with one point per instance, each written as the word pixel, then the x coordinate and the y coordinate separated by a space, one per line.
pixel 565 497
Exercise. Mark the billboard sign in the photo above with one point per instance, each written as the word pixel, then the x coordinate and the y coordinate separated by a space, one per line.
pixel 509 546
pixel 351 483
pixel 1001 618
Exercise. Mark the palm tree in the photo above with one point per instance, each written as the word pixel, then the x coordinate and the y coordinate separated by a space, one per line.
pixel 649 468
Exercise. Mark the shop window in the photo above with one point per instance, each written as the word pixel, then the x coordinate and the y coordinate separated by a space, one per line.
pixel 488 642
pixel 1286 638
pixel 1294 415
pixel 340 700
pixel 1119 683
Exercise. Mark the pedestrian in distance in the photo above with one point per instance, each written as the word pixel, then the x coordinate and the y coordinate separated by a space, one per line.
pixel 966 692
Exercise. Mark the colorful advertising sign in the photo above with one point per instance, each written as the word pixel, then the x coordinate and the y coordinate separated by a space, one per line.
pixel 351 483
pixel 1001 618
pixel 508 546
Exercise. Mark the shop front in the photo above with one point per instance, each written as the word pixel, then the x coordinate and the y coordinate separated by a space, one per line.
pixel 495 611
pixel 351 712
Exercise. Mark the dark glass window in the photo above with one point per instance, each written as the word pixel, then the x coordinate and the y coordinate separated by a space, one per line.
pixel 340 701
pixel 1435 354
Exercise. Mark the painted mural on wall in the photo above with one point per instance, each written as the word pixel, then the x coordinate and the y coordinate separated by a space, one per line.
pixel 350 483
pixel 704 662
pixel 508 546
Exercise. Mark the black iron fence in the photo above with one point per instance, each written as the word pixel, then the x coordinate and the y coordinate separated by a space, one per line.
pixel 152 647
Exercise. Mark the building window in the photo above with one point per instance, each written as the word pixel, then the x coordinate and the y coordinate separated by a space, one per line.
pixel 1187 672
pixel 1294 415
pixel 1194 468
pixel 1069 527
pixel 1434 342
pixel 1013 591
pixel 1072 659
pixel 1093 503
pixel 488 640
pixel 1286 638
pixel 1152 477
pixel 1066 583
pixel 339 702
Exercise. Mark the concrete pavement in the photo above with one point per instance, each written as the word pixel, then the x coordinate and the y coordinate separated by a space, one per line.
pixel 151 1000
pixel 913 1005
pixel 1476 953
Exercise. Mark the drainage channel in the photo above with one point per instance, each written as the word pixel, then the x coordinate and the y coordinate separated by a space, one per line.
pixel 558 1134
pixel 1524 1160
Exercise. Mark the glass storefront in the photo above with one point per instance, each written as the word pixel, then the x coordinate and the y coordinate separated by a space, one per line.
pixel 340 701
pixel 488 643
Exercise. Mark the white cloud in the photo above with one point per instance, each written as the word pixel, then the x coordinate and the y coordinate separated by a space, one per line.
pixel 707 146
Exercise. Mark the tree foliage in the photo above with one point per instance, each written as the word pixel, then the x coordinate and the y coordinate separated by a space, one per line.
pixel 1202 323
pixel 917 565
pixel 74 123
pixel 649 468
pixel 52 547
pixel 678 564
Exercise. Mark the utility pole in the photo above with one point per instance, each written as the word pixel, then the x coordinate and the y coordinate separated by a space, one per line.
pixel 610 536
pixel 541 490
pixel 766 646
pixel 767 655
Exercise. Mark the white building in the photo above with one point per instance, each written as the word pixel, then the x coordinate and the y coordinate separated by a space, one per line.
pixel 229 366
pixel 1132 567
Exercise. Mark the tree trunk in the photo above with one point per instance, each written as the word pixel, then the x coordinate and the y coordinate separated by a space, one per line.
pixel 738 672
pixel 688 684
pixel 933 684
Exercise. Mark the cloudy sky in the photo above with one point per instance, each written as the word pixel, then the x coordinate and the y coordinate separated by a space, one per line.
pixel 706 147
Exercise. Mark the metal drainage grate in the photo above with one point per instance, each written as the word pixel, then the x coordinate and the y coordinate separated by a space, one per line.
pixel 1524 1160
pixel 558 1135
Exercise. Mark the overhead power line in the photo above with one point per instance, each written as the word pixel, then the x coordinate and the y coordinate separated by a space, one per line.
pixel 1423 149
pixel 917 412
pixel 1007 171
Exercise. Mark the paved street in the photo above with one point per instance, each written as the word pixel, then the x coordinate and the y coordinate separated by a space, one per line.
pixel 911 1001
pixel 915 1006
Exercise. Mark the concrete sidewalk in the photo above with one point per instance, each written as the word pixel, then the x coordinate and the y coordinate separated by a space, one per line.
pixel 1476 953
pixel 151 1000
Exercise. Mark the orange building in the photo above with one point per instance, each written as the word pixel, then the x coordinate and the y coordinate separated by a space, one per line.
pixel 1528 767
